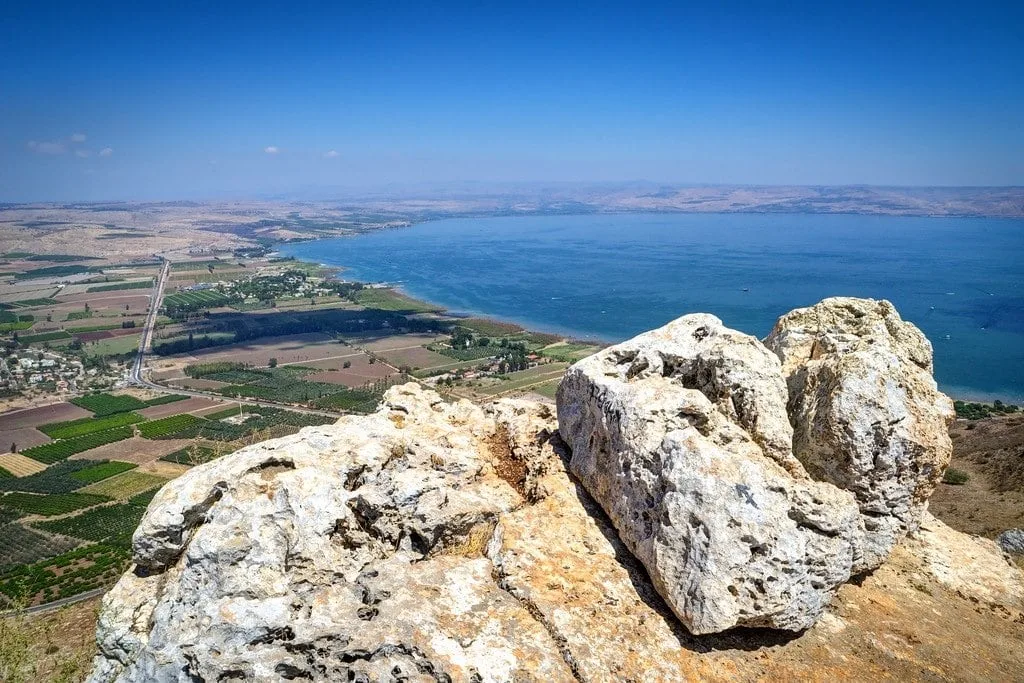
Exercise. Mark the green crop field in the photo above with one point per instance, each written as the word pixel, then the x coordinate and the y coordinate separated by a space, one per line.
pixel 54 479
pixel 111 523
pixel 8 515
pixel 108 404
pixel 76 571
pixel 166 398
pixel 569 353
pixel 102 471
pixel 145 498
pixel 19 545
pixel 58 450
pixel 124 486
pixel 471 353
pixel 54 504
pixel 28 303
pixel 44 337
pixel 168 426
pixel 121 285
pixel 88 425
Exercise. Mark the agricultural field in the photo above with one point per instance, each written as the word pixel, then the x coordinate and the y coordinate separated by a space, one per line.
pixel 569 352
pixel 17 465
pixel 124 486
pixel 115 346
pixel 102 405
pixel 56 478
pixel 167 427
pixel 416 358
pixel 76 571
pixel 102 471
pixel 353 370
pixel 59 450
pixel 49 505
pixel 34 417
pixel 135 450
pixel 189 405
pixel 524 379
pixel 88 425
pixel 111 523
pixel 138 284
pixel 20 439
pixel 295 348
pixel 22 545
pixel 391 342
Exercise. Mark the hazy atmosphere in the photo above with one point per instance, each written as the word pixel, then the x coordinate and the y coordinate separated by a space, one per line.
pixel 122 101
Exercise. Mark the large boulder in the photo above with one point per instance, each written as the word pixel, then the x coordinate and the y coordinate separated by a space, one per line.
pixel 681 434
pixel 488 562
pixel 352 552
pixel 866 413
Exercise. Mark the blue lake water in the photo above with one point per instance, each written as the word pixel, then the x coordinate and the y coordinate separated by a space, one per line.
pixel 609 277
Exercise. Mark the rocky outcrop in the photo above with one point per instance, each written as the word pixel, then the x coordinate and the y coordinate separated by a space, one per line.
pixel 352 552
pixel 439 541
pixel 1012 541
pixel 681 435
pixel 866 413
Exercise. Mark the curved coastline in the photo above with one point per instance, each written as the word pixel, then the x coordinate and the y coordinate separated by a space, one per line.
pixel 454 307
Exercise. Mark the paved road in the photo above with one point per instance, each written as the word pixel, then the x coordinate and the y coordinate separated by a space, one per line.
pixel 63 602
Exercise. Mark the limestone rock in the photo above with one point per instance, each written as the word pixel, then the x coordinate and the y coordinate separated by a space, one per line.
pixel 681 435
pixel 336 554
pixel 866 412
pixel 259 581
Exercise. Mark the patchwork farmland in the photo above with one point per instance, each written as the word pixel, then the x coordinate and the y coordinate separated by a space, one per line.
pixel 85 490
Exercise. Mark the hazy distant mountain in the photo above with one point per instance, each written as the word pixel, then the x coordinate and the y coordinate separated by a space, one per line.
pixel 645 196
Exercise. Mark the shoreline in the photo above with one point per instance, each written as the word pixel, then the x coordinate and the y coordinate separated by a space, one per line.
pixel 958 393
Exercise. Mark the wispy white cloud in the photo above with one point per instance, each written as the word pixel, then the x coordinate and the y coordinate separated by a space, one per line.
pixel 51 148
pixel 331 154
pixel 78 138
pixel 271 150
pixel 82 153
pixel 106 151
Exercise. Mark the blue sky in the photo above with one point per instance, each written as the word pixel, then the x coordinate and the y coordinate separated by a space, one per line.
pixel 241 100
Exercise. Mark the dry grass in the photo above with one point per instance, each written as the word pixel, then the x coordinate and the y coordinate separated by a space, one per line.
pixel 54 646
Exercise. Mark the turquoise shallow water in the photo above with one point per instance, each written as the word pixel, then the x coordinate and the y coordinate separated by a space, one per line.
pixel 609 277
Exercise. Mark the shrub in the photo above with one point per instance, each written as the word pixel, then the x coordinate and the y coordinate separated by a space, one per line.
pixel 955 477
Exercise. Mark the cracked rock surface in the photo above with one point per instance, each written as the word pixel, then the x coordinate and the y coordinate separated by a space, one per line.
pixel 866 412
pixel 437 541
pixel 681 434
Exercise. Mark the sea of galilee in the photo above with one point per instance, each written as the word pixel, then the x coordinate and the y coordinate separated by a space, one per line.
pixel 610 276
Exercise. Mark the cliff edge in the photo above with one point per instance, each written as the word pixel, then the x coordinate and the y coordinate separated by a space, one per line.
pixel 704 506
